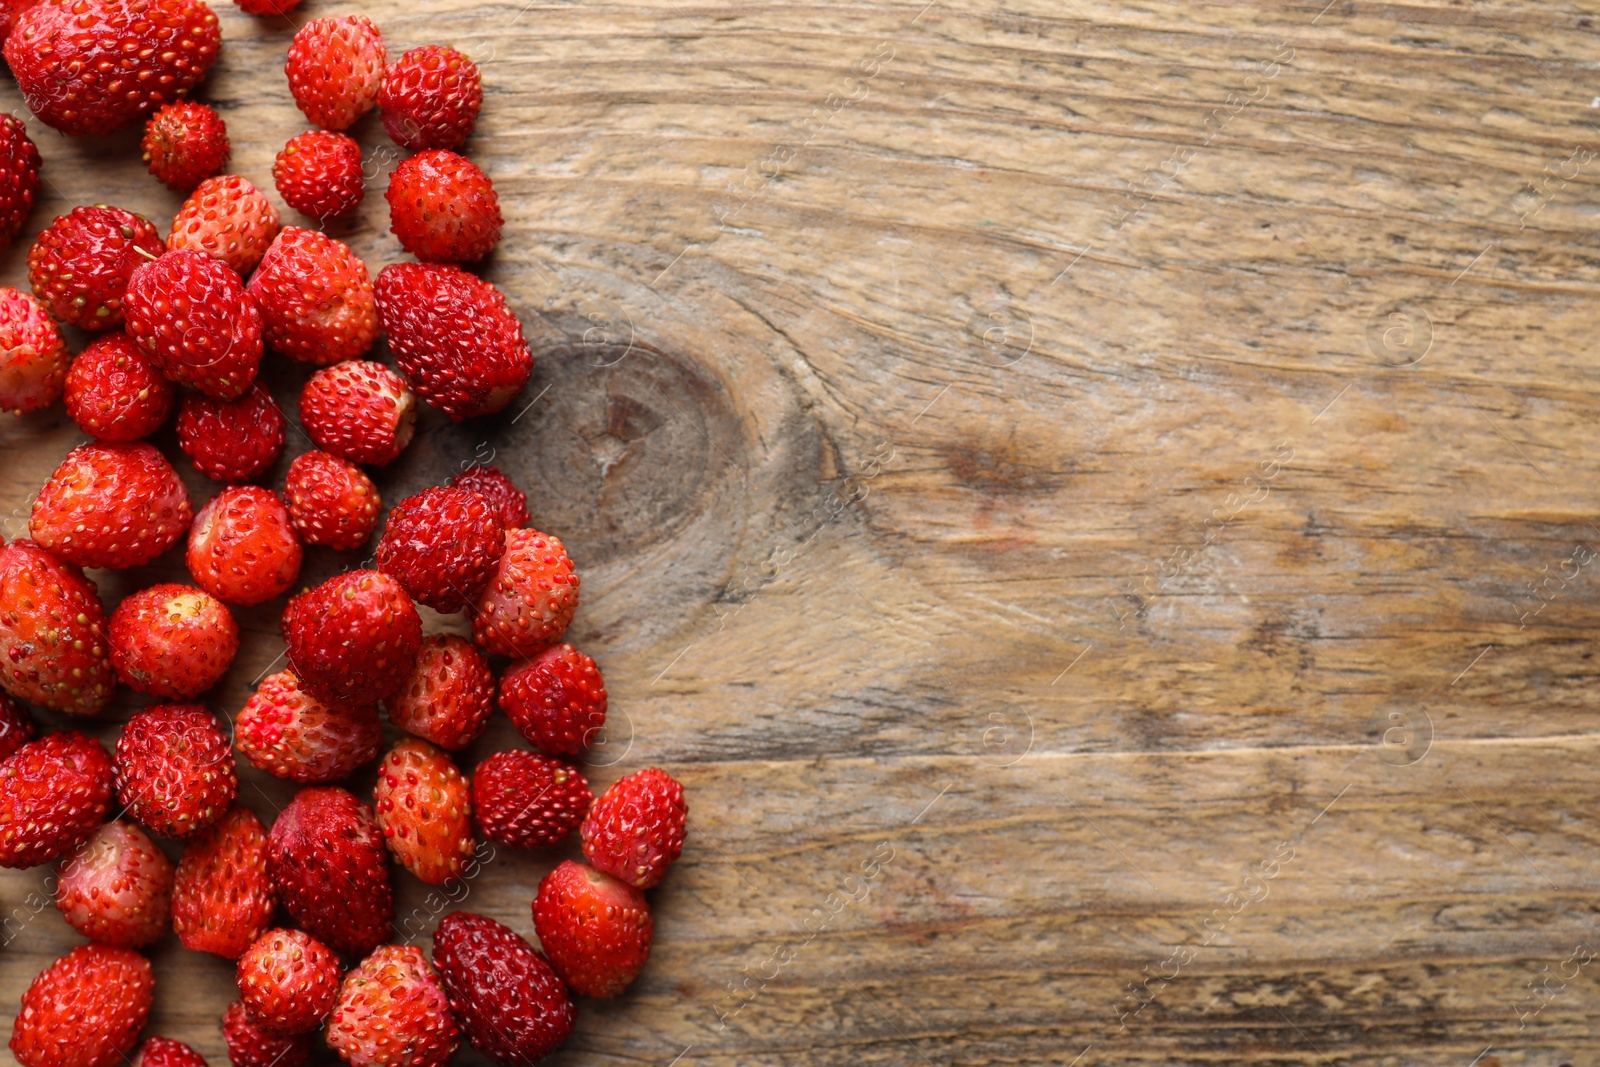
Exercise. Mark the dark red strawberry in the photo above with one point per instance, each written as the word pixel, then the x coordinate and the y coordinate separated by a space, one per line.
pixel 172 641
pixel 319 174
pixel 53 647
pixel 288 981
pixel 557 700
pixel 117 888
pixel 528 603
pixel 184 144
pixel 227 218
pixel 232 440
pixel 19 169
pixel 442 545
pixel 635 830
pixel 111 505
pixel 190 313
pixel 449 695
pixel 331 500
pixel 524 800
pixel 424 807
pixel 290 734
pixel 360 411
pixel 353 639
pixel 595 929
pixel 116 393
pixel 84 1010
pixel 9 10
pixel 267 7
pixel 392 1012
pixel 242 549
pixel 316 298
pixel 430 98
pixel 252 1045
pixel 501 491
pixel 174 769
pixel 17 727
pixel 165 1052
pixel 33 357
pixel 511 1005
pixel 335 69
pixel 80 265
pixel 222 897
pixel 443 208
pixel 329 867
pixel 53 793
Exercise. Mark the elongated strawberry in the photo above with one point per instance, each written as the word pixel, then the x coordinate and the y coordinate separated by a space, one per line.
pixel 33 357
pixel 252 1045
pixel 424 807
pixel 17 727
pixel 116 393
pixel 222 896
pixel 316 298
pixel 524 800
pixel 53 646
pixel 111 505
pixel 184 144
pixel 443 208
pixel 172 641
pixel 291 734
pixel 391 1012
pixel 232 440
pixel 319 174
pixel 528 603
pixel 165 1052
pixel 499 490
pixel 329 868
pixel 635 830
pixel 449 695
pixel 595 929
pixel 190 312
pixel 430 98
pixel 174 769
pixel 53 793
pixel 360 411
pixel 354 638
pixel 331 500
pixel 80 265
pixel 335 69
pixel 556 700
pixel 288 981
pixel 19 166
pixel 242 549
pixel 84 1010
pixel 117 888
pixel 442 545
pixel 510 1003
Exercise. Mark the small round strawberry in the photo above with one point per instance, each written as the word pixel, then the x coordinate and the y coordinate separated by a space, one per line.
pixel 33 357
pixel 449 695
pixel 335 69
pixel 524 800
pixel 117 888
pixel 242 549
pixel 453 337
pixel 232 440
pixel 430 98
pixel 528 603
pixel 443 208
pixel 424 807
pixel 174 769
pixel 502 492
pixel 557 700
pixel 442 545
pixel 253 1045
pixel 165 1052
pixel 319 174
pixel 53 647
pixel 172 641
pixel 353 639
pixel 291 734
pixel 184 144
pixel 288 981
pixel 331 500
pixel 392 1012
pixel 111 505
pixel 510 1004
pixel 192 315
pixel 330 869
pixel 227 218
pixel 80 265
pixel 360 411
pixel 262 8
pixel 222 897
pixel 635 830
pixel 19 177
pixel 316 299
pixel 17 727
pixel 85 1010
pixel 595 929
pixel 53 793
pixel 115 392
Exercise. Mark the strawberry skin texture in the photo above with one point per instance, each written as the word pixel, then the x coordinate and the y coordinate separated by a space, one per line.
pixel 232 440
pixel 501 491
pixel 165 1052
pixel 319 174
pixel 335 69
pixel 19 170
pixel 85 1010
pixel 392 1012
pixel 354 638
pixel 17 727
pixel 595 929
pixel 316 299
pixel 288 981
pixel 33 357
pixel 331 501
pixel 510 1003
pixel 443 208
pixel 524 800
pixel 528 603
pixel 228 218
pixel 191 314
pixel 174 769
pixel 442 545
pixel 80 265
pixel 635 830
pixel 111 505
pixel 242 548
pixel 172 641
pixel 328 865
pixel 556 700
pixel 448 698
pixel 117 888
pixel 267 7
pixel 184 144
pixel 360 411
pixel 222 897
pixel 114 391
pixel 53 645
pixel 253 1045
pixel 291 734
pixel 453 338
pixel 53 793
pixel 424 807
pixel 430 98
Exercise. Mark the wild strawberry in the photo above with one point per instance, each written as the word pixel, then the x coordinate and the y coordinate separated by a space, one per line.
pixel 319 174
pixel 9 10
pixel 502 492
pixel 17 727
pixel 523 800
pixel 331 500
pixel 528 603
pixel 288 981
pixel 114 391
pixel 111 505
pixel 33 357
pixel 53 793
pixel 424 807
pixel 267 7
pixel 253 1045
pixel 184 144
pixel 95 66
pixel 557 700
pixel 635 830
pixel 510 1003
pixel 53 648
pixel 430 98
pixel 391 1012
pixel 328 864
pixel 222 897
pixel 449 695
pixel 360 411
pixel 242 549
pixel 442 545
pixel 335 68
pixel 80 265
pixel 172 641
pixel 316 298
pixel 85 1010
pixel 165 1052
pixel 595 929
pixel 227 218
pixel 354 638
pixel 232 440
pixel 453 338
pixel 291 734
pixel 174 769
pixel 443 208
pixel 192 315
pixel 19 173
pixel 117 888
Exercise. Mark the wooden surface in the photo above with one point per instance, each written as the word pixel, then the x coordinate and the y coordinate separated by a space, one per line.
pixel 1120 475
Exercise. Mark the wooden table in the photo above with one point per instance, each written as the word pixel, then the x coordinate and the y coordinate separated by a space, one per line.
pixel 1094 500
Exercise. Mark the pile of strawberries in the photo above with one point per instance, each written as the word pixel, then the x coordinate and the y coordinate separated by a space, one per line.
pixel 178 330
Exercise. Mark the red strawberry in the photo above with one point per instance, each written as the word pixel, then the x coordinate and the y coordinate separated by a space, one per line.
pixel 331 500
pixel 242 549
pixel 391 1012
pixel 442 545
pixel 80 265
pixel 329 867
pixel 510 1003
pixel 85 1010
pixel 453 338
pixel 635 830
pixel 53 793
pixel 353 639
pixel 19 166
pixel 33 357
pixel 290 734
pixel 252 1045
pixel 501 491
pixel 319 174
pixel 174 769
pixel 228 218
pixel 316 298
pixel 231 440
pixel 9 10
pixel 430 98
pixel 267 7
pixel 557 701
pixel 288 981
pixel 222 898
pixel 17 727
pixel 165 1052
pixel 114 391
pixel 111 505
pixel 523 800
pixel 184 144
pixel 528 603
pixel 172 641
pixel 449 695
pixel 424 807
pixel 443 208
pixel 360 411
pixel 53 648
pixel 335 68
pixel 117 888
pixel 192 315
pixel 94 66
pixel 595 929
